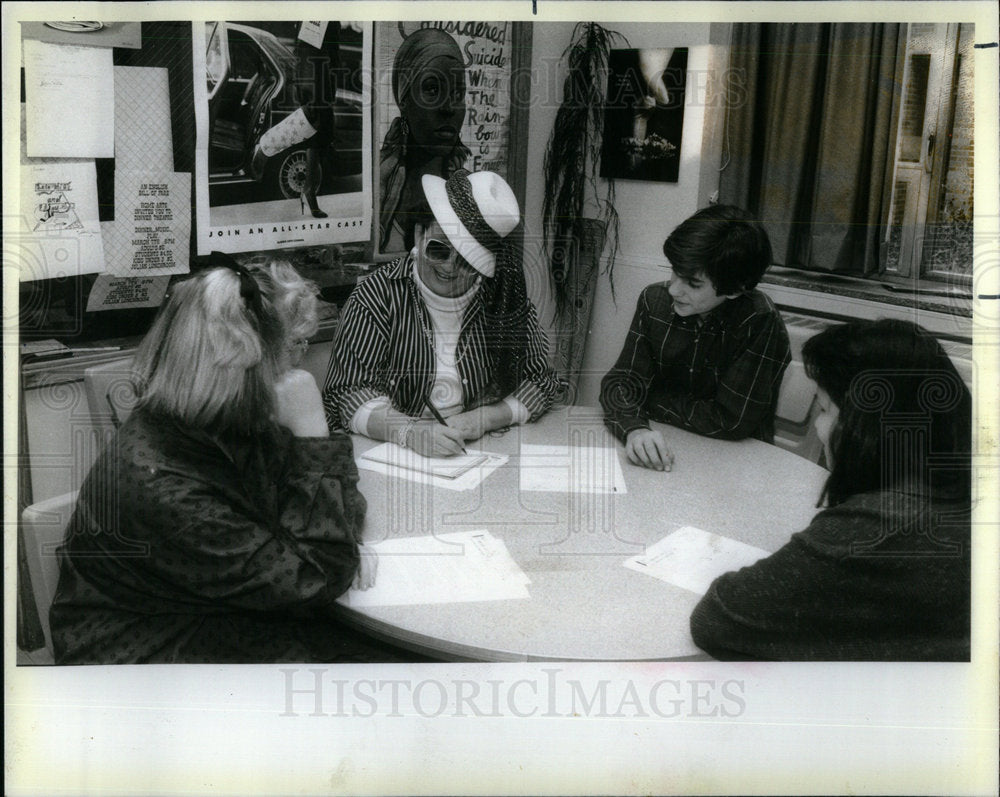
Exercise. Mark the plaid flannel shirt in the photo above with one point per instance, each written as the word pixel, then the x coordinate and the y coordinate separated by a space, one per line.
pixel 718 376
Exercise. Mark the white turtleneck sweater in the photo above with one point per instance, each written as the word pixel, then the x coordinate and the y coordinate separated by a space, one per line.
pixel 446 314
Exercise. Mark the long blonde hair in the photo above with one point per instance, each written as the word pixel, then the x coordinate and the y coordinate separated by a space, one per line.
pixel 213 354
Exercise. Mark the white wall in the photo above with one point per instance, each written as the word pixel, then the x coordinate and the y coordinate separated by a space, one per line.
pixel 648 211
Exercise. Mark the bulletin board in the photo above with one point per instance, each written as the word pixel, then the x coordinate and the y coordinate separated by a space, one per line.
pixel 106 227
pixel 110 203
pixel 105 197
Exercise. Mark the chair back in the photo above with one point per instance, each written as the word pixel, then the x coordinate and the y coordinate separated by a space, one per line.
pixel 44 527
pixel 793 419
pixel 110 394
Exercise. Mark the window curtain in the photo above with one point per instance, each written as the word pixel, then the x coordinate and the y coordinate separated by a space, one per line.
pixel 811 120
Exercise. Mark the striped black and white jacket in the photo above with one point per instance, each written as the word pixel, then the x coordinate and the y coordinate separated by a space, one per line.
pixel 384 348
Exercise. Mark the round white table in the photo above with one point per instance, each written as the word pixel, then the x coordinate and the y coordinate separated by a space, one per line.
pixel 584 604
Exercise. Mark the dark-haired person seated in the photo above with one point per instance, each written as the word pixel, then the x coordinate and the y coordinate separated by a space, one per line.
pixel 222 520
pixel 706 351
pixel 448 329
pixel 883 572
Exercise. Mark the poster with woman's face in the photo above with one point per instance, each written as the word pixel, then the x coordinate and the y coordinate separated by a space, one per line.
pixel 283 134
pixel 442 99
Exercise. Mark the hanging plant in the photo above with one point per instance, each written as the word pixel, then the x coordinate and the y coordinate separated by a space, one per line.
pixel 572 156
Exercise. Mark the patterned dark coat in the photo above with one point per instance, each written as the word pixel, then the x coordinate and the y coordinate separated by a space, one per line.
pixel 187 547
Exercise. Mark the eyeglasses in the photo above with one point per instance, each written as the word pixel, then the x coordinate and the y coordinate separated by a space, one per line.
pixel 437 251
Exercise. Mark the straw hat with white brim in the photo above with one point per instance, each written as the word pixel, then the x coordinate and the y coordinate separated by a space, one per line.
pixel 476 211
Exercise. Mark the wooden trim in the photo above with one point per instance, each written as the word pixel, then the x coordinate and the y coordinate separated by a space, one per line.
pixel 714 126
pixel 520 94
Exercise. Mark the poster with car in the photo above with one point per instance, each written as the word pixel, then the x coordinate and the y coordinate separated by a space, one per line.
pixel 283 152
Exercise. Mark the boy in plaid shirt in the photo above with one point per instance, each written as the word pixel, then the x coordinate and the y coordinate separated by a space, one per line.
pixel 706 351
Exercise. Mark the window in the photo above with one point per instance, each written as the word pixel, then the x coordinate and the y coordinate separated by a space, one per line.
pixel 930 229
pixel 853 143
pixel 215 56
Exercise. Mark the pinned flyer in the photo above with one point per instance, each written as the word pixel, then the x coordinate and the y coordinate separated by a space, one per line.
pixel 152 227
pixel 313 33
pixel 123 293
pixel 60 78
pixel 61 233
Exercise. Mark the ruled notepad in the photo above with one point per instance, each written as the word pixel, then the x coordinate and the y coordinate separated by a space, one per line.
pixel 442 467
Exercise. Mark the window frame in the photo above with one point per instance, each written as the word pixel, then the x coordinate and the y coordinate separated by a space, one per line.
pixel 812 292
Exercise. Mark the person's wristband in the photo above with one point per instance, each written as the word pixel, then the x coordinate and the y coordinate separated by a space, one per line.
pixel 643 427
pixel 403 433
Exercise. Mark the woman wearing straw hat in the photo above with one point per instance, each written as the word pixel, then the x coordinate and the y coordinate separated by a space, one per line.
pixel 446 330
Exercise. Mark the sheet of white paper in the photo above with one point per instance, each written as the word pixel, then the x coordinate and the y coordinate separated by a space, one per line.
pixel 120 293
pixel 449 568
pixel 489 551
pixel 577 469
pixel 692 559
pixel 313 33
pixel 60 231
pixel 152 226
pixel 143 141
pixel 48 346
pixel 70 95
pixel 467 481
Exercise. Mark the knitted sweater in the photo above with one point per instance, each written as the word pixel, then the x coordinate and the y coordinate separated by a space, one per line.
pixel 882 576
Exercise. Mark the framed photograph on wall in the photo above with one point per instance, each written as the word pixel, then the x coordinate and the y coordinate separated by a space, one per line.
pixel 283 134
pixel 644 114
pixel 445 97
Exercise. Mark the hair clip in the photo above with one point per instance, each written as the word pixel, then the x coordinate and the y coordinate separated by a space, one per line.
pixel 249 289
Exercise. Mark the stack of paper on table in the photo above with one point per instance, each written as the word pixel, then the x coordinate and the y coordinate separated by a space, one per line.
pixel 446 568
pixel 692 559
pixel 571 469
pixel 454 473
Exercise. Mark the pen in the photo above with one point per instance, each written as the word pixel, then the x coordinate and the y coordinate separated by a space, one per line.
pixel 438 417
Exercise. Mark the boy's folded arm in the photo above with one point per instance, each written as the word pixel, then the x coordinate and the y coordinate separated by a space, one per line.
pixel 714 417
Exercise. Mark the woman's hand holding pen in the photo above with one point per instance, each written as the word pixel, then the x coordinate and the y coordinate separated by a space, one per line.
pixel 432 439
pixel 476 422
pixel 469 424
pixel 442 424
